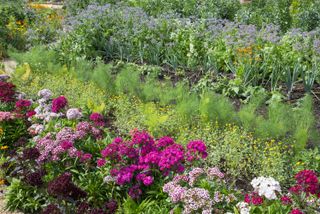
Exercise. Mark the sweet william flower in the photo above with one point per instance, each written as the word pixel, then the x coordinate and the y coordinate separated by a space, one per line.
pixel 30 113
pixel 286 200
pixel 296 211
pixel 101 162
pixel 22 104
pixel 148 180
pixel 58 104
pixel 73 114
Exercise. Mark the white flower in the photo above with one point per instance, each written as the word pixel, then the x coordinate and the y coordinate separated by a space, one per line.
pixel 266 187
pixel 108 179
pixel 73 114
pixel 45 93
pixel 243 207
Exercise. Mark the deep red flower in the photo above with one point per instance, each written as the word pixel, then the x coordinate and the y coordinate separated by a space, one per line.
pixel 286 200
pixel 30 113
pixel 58 104
pixel 253 198
pixel 23 104
pixel 296 211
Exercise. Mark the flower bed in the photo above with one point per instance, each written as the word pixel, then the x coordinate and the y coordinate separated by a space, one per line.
pixel 63 160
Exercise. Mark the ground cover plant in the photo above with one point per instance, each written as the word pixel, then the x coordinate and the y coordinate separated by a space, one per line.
pixel 147 106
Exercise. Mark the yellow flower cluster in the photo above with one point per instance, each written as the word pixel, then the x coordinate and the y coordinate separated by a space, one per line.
pixel 4 147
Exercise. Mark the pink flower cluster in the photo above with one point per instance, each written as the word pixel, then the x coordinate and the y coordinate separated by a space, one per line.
pixel 58 104
pixel 307 182
pixel 135 161
pixel 52 146
pixel 178 190
pixel 5 116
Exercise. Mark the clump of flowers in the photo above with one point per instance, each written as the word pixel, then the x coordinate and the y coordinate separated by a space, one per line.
pixel 243 207
pixel 51 209
pixel 136 162
pixel 267 187
pixel 63 187
pixel 30 154
pixel 185 190
pixel 58 104
pixel 7 92
pixel 23 104
pixel 44 110
pixel 52 146
pixel 97 119
pixel 5 116
pixel 73 114
pixel 307 182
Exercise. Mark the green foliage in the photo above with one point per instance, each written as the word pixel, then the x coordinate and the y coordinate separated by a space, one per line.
pixel 25 198
pixel 214 107
pixel 10 13
pixel 239 153
pixel 11 131
pixel 62 82
pixel 128 81
pixel 146 206
pixel 39 58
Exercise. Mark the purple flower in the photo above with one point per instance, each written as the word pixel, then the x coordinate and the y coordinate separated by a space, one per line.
pixel 34 178
pixel 30 154
pixel 111 207
pixel 135 192
pixel 58 104
pixel 148 180
pixel 66 144
pixel 62 186
pixel 164 142
pixel 51 209
pixel 196 149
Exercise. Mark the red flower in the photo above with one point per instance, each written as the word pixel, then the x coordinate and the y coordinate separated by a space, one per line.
pixel 296 211
pixel 30 113
pixel 7 92
pixel 286 200
pixel 58 104
pixel 22 104
pixel 253 198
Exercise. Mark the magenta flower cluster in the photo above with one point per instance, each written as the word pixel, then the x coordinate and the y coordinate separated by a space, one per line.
pixel 58 104
pixel 136 161
pixel 306 182
pixel 97 119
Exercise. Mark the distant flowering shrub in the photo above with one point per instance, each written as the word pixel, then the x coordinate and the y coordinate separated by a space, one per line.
pixel 142 160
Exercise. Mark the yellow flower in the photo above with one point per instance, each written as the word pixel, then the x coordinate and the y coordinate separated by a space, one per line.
pixel 4 147
pixel 2 181
pixel 1 131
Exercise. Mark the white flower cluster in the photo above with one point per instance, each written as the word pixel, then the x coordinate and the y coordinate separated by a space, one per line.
pixel 243 207
pixel 43 110
pixel 266 187
pixel 74 114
